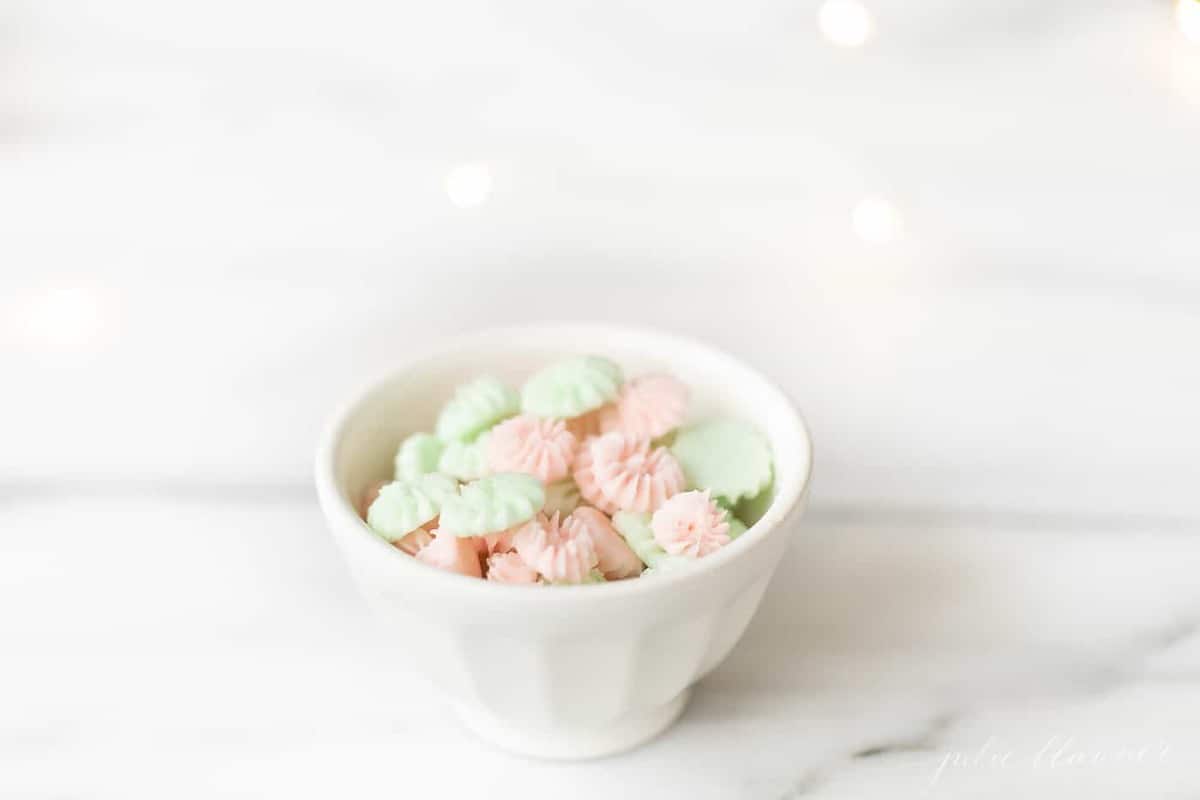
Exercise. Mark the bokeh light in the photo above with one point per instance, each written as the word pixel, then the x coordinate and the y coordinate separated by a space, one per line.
pixel 876 220
pixel 64 318
pixel 1187 18
pixel 468 185
pixel 846 23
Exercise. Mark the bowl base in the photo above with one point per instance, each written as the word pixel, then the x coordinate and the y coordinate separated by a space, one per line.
pixel 565 742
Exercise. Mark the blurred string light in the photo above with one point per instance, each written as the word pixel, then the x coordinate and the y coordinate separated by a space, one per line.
pixel 1187 18
pixel 875 220
pixel 1181 60
pixel 846 23
pixel 468 185
pixel 64 318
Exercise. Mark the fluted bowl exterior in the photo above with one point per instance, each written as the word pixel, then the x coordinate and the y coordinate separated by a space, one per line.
pixel 554 667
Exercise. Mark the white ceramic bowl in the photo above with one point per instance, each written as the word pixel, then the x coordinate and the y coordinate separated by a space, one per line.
pixel 568 671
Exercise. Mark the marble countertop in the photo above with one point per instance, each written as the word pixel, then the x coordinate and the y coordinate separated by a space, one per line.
pixel 230 224
pixel 214 218
pixel 896 654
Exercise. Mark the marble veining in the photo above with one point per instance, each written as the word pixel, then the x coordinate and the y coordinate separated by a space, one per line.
pixel 148 637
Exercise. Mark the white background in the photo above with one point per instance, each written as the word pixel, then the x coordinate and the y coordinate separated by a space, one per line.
pixel 214 218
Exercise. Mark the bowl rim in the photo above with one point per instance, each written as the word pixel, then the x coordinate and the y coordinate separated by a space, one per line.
pixel 338 510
